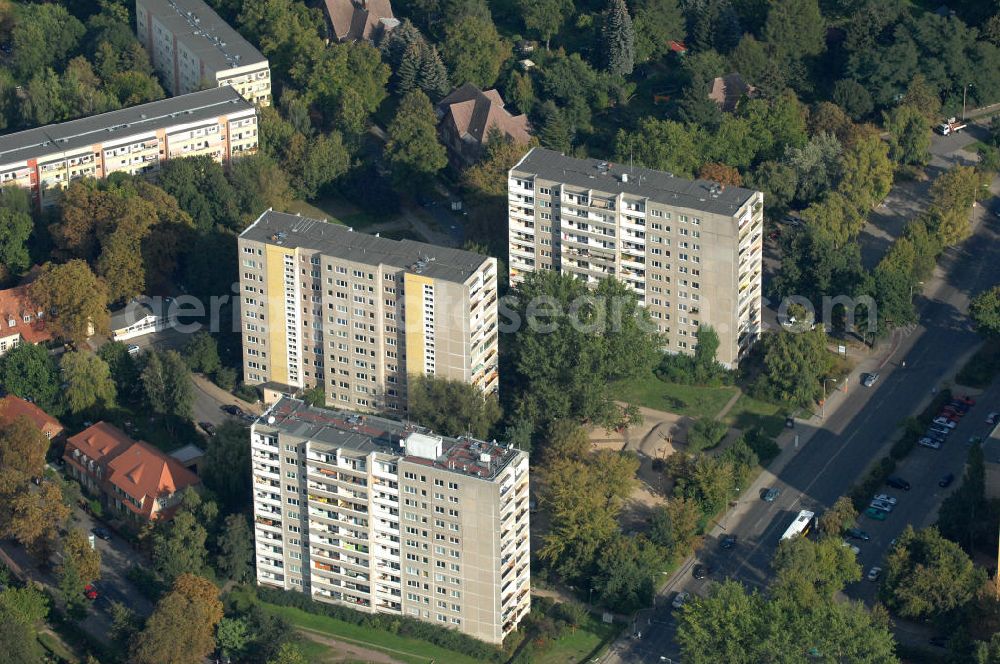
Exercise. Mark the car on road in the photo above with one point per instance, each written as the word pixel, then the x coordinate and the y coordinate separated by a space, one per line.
pixel 133 350
pixel 946 481
pixel 886 498
pixel 936 435
pixel 680 599
pixel 728 542
pixel 858 534
pixel 874 573
pixel 771 494
pixel 207 427
pixel 102 533
pixel 897 482
pixel 90 592
pixel 869 379
pixel 853 547
pixel 992 418
pixel 701 571
pixel 930 442
pixel 945 422
pixel 230 409
pixel 875 514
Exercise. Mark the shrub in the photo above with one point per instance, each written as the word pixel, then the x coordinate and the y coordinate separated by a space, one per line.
pixel 705 434
pixel 246 392
pixel 763 446
pixel 225 378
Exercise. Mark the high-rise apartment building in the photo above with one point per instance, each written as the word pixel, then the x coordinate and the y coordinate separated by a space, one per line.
pixel 217 122
pixel 193 49
pixel 387 517
pixel 357 313
pixel 691 250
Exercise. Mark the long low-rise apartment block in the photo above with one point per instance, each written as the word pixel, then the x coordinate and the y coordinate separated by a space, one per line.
pixel 193 48
pixel 358 314
pixel 387 517
pixel 217 122
pixel 690 249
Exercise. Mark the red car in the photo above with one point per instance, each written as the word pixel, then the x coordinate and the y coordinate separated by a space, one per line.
pixel 967 400
pixel 90 592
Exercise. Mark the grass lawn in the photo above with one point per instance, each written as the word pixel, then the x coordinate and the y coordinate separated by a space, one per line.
pixel 400 647
pixel 691 400
pixel 748 413
pixel 575 647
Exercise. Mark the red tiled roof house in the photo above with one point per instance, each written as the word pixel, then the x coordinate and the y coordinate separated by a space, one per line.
pixel 466 117
pixel 134 477
pixel 20 319
pixel 12 407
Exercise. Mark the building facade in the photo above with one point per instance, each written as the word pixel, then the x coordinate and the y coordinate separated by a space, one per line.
pixel 691 250
pixel 194 49
pixel 21 320
pixel 388 518
pixel 217 122
pixel 357 313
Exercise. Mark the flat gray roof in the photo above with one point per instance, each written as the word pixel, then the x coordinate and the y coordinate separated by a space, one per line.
pixel 339 241
pixel 370 433
pixel 185 109
pixel 204 33
pixel 658 186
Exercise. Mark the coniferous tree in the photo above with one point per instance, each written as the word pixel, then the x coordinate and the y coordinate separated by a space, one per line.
pixel 433 76
pixel 619 39
pixel 409 69
pixel 555 133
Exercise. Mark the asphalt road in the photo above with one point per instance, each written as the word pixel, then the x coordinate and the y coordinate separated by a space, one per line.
pixel 839 453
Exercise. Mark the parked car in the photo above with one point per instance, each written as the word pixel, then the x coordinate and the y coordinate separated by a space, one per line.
pixel 728 542
pixel 960 406
pixel 852 547
pixel 680 599
pixel 230 409
pixel 90 592
pixel 207 427
pixel 946 481
pixel 886 498
pixel 897 482
pixel 102 533
pixel 771 494
pixel 929 442
pixel 945 422
pixel 875 514
pixel 869 379
pixel 874 573
pixel 858 534
pixel 952 411
pixel 967 400
pixel 701 571
pixel 992 418
pixel 936 435
pixel 879 505
pixel 133 350
pixel 937 428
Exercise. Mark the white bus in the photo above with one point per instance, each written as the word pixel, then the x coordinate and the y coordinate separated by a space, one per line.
pixel 801 526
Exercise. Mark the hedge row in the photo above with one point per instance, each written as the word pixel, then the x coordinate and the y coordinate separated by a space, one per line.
pixel 403 626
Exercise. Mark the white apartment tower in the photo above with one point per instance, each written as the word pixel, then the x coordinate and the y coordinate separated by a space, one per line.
pixel 386 517
pixel 358 314
pixel 690 249
pixel 193 49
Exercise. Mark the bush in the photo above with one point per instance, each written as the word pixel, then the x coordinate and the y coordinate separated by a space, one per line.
pixel 248 393
pixel 705 434
pixel 95 507
pixel 225 378
pixel 763 446
pixel 146 582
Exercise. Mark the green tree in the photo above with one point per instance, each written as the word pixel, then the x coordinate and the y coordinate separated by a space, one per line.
pixel 232 636
pixel 326 159
pixel 921 95
pixel 452 407
pixel 545 17
pixel 42 35
pixel 662 145
pixel 853 97
pixel 909 136
pixel 260 184
pixel 835 218
pixel 952 197
pixel 555 132
pixel 235 544
pixel 962 516
pixel 181 629
pixel 414 153
pixel 200 186
pixel 675 527
pixel 807 571
pixel 288 653
pixel 124 623
pixel 202 353
pixel 796 27
pixel 866 172
pixel 657 23
pixel 36 519
pixel 627 570
pixel 77 297
pixel 26 606
pixel 432 76
pixel 927 576
pixel 704 434
pixel 817 166
pixel 795 366
pixel 611 338
pixel 618 39
pixel 226 469
pixel 179 388
pixel 487 176
pixel 89 386
pixel 22 456
pixel 28 371
pixel 15 229
pixel 985 312
pixel 179 547
pixel 838 518
pixel 474 51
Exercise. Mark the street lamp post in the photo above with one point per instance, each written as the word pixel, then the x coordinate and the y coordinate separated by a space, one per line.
pixel 823 412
